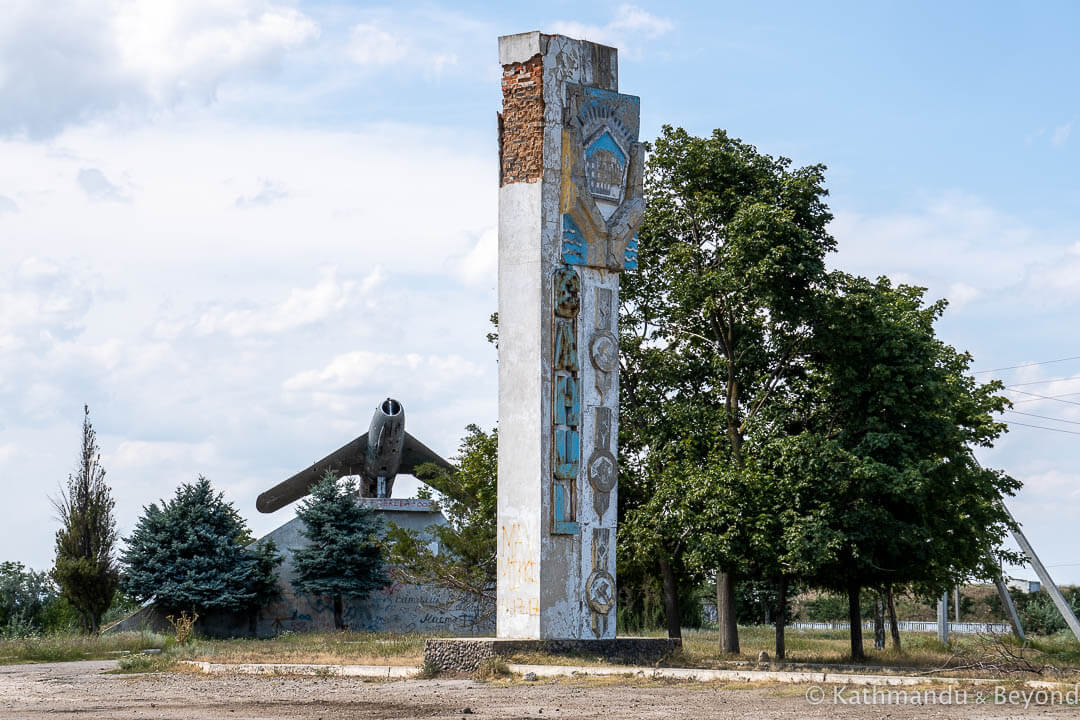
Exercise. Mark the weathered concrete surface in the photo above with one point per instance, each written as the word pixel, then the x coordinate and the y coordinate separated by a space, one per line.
pixel 468 654
pixel 558 360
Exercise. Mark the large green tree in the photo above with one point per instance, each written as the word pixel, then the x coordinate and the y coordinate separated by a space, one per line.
pixel 885 427
pixel 715 321
pixel 85 568
pixel 464 561
pixel 25 596
pixel 192 553
pixel 343 556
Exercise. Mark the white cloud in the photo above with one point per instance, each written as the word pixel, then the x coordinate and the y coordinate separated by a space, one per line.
pixel 352 370
pixel 957 245
pixel 136 454
pixel 1061 133
pixel 372 45
pixel 7 205
pixel 40 300
pixel 625 30
pixel 303 306
pixel 97 187
pixel 269 192
pixel 7 451
pixel 1055 279
pixel 960 294
pixel 70 60
pixel 480 265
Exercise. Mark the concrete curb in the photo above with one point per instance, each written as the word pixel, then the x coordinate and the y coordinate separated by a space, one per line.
pixel 400 672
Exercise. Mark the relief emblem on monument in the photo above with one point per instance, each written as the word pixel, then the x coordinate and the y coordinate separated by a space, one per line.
pixel 602 170
pixel 600 585
pixel 566 402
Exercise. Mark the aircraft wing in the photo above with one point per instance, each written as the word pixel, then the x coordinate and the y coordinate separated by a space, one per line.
pixel 416 453
pixel 346 460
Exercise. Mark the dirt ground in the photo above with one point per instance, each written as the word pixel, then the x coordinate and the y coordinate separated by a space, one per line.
pixel 86 690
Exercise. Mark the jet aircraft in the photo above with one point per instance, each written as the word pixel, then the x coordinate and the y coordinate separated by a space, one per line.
pixel 377 457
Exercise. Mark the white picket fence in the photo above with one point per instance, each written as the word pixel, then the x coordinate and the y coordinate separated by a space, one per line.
pixel 961 628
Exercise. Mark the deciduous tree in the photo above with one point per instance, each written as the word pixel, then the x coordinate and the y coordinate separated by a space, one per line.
pixel 464 561
pixel 714 322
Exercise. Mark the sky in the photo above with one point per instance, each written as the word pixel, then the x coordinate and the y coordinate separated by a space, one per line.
pixel 232 227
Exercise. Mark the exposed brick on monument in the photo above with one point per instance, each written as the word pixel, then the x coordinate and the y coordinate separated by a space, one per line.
pixel 521 125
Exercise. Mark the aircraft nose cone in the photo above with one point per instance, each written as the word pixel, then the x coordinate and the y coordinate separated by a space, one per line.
pixel 390 406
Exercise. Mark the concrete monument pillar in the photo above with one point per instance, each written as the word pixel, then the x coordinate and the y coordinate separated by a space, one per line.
pixel 570 203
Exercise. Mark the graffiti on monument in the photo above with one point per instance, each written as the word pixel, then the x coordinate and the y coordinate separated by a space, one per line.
pixel 518 570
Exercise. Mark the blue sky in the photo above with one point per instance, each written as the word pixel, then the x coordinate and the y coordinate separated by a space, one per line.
pixel 233 226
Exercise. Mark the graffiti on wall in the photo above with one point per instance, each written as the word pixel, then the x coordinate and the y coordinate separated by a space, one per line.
pixel 399 607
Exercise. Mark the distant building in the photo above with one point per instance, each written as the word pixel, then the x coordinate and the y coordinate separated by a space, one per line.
pixel 1021 585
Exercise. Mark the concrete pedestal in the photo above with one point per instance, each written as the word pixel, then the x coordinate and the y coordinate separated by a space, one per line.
pixel 569 206
pixel 468 654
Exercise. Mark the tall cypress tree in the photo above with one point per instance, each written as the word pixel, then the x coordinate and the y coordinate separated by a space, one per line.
pixel 85 568
pixel 192 554
pixel 344 556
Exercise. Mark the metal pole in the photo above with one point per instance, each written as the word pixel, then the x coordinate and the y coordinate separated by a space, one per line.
pixel 1044 577
pixel 1010 608
pixel 943 618
pixel 956 603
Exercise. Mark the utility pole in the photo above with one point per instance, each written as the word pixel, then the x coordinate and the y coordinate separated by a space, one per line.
pixel 1044 577
pixel 943 618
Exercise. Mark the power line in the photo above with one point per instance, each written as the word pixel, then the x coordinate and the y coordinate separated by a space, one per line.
pixel 1024 365
pixel 1043 382
pixel 1046 397
pixel 1043 427
pixel 1044 417
pixel 1050 397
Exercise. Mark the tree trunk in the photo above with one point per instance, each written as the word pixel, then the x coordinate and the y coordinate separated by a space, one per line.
pixel 879 622
pixel 339 612
pixel 855 623
pixel 781 615
pixel 725 613
pixel 894 627
pixel 671 598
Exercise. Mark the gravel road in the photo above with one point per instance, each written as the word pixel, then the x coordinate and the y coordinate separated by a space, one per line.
pixel 86 690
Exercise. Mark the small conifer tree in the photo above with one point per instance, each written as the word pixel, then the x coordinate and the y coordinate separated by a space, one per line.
pixel 192 554
pixel 344 556
pixel 85 568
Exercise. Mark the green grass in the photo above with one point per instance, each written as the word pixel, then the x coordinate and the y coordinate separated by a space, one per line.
pixel 1055 656
pixel 333 648
pixel 73 646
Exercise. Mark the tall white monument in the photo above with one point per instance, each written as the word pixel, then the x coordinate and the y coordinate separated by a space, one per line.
pixel 570 202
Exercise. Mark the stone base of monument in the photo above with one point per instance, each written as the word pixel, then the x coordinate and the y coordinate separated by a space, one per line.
pixel 468 654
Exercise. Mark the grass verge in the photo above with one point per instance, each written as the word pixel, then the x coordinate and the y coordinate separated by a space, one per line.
pixel 71 646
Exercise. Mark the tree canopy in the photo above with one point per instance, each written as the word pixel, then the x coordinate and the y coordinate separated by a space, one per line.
pixel 465 560
pixel 343 556
pixel 85 568
pixel 192 553
pixel 780 421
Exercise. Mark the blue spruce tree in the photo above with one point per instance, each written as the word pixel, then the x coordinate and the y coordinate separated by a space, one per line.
pixel 192 554
pixel 344 557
